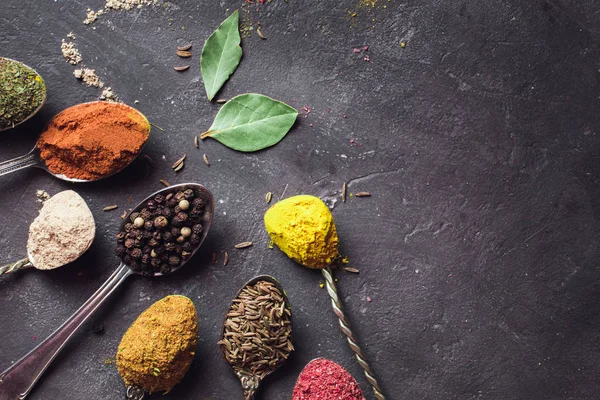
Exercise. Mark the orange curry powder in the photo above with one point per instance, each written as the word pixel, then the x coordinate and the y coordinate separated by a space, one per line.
pixel 93 140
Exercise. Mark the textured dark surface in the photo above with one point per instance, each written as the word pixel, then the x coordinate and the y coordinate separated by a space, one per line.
pixel 479 141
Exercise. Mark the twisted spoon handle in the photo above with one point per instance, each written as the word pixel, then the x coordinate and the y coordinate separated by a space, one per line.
pixel 15 266
pixel 28 160
pixel 18 380
pixel 345 328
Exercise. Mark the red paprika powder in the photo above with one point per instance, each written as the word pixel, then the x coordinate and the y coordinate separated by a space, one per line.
pixel 323 379
pixel 93 140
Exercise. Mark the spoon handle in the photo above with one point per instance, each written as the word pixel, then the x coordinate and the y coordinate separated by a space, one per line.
pixel 28 160
pixel 15 266
pixel 18 380
pixel 337 305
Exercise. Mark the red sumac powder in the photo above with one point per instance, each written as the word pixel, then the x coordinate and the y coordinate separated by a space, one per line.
pixel 323 379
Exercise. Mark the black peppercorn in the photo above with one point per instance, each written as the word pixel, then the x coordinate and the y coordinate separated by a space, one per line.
pixel 170 246
pixel 174 260
pixel 152 242
pixel 120 250
pixel 151 204
pixel 175 232
pixel 180 218
pixel 167 236
pixel 157 235
pixel 128 226
pixel 187 246
pixel 129 243
pixel 198 203
pixel 179 196
pixel 145 214
pixel 146 258
pixel 197 229
pixel 148 225
pixel 121 236
pixel 195 239
pixel 159 198
pixel 165 269
pixel 189 193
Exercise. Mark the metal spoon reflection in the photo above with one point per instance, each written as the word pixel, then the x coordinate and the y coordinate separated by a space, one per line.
pixel 17 381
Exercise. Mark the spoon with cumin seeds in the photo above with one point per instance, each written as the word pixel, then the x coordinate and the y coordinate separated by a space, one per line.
pixel 186 209
pixel 257 332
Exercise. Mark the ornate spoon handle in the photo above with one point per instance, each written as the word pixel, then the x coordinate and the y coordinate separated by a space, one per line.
pixel 15 266
pixel 345 328
pixel 28 160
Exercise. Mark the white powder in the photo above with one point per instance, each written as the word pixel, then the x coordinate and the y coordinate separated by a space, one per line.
pixel 70 53
pixel 89 77
pixel 92 15
pixel 63 231
pixel 128 4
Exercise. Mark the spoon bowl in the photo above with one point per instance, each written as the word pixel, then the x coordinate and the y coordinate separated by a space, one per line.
pixel 249 380
pixel 34 158
pixel 18 380
pixel 39 107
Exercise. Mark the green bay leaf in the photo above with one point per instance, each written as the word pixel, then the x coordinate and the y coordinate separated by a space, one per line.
pixel 251 122
pixel 221 55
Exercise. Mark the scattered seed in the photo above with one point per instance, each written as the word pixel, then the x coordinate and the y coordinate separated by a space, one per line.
pixel 184 54
pixel 179 167
pixel 181 68
pixel 185 47
pixel 268 197
pixel 243 245
pixel 221 101
pixel 363 194
pixel 350 269
pixel 179 162
pixel 196 142
pixel 226 259
pixel 149 159
pixel 214 258
pixel 109 208
pixel 167 184
pixel 205 158
pixel 260 34
pixel 124 214
pixel 344 190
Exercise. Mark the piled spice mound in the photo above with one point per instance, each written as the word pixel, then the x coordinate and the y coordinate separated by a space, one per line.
pixel 303 228
pixel 62 232
pixel 93 140
pixel 22 91
pixel 158 348
pixel 164 233
pixel 323 379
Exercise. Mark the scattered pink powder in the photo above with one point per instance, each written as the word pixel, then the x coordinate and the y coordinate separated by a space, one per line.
pixel 356 50
pixel 366 48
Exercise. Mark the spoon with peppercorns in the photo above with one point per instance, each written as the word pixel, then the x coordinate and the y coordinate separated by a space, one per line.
pixel 158 237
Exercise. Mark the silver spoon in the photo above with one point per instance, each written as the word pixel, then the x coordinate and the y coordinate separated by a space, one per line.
pixel 39 107
pixel 34 159
pixel 17 381
pixel 249 380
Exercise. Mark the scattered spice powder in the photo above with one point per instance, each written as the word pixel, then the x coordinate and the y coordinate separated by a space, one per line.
pixel 70 52
pixel 22 92
pixel 303 228
pixel 89 77
pixel 93 140
pixel 158 348
pixel 92 16
pixel 62 232
pixel 323 379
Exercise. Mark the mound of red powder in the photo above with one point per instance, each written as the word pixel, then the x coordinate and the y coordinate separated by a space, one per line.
pixel 323 379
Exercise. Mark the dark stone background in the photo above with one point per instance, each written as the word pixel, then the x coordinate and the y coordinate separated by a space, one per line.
pixel 479 141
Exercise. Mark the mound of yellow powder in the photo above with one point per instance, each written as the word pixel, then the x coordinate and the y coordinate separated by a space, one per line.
pixel 303 228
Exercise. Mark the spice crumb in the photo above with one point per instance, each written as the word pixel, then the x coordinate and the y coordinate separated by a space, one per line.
pixel 167 184
pixel 369 299
pixel 243 245
pixel 353 270
pixel 70 52
pixel 109 95
pixel 268 197
pixel 110 208
pixel 89 77
pixel 42 195
pixel 321 285
pixel 205 158
pixel 226 259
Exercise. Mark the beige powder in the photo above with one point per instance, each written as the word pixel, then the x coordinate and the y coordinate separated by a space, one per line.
pixel 63 231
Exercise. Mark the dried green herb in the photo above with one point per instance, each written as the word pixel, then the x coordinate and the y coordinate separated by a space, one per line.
pixel 221 55
pixel 251 122
pixel 22 92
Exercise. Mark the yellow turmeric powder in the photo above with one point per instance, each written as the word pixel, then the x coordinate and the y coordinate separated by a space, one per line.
pixel 303 228
pixel 158 348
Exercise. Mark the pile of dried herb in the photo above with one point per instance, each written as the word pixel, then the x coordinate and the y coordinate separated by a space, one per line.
pixel 257 335
pixel 22 92
pixel 164 233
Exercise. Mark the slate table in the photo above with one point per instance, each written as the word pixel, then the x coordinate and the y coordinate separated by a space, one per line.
pixel 479 141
